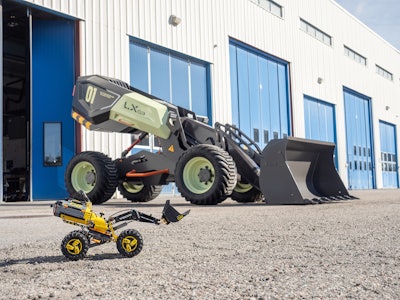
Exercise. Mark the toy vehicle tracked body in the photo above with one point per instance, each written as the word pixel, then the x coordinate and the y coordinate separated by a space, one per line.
pixel 208 164
pixel 96 230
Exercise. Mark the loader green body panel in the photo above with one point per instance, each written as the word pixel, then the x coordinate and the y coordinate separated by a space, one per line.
pixel 140 112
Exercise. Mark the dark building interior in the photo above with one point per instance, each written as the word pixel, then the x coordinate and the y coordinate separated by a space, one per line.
pixel 16 91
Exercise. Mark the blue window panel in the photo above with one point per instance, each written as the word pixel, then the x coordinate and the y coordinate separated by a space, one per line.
pixel 323 130
pixel 330 134
pixel 138 55
pixel 307 119
pixel 159 71
pixel 312 119
pixel 234 85
pixel 273 85
pixel 319 117
pixel 243 91
pixel 180 82
pixel 174 77
pixel 198 85
pixel 283 100
pixel 390 178
pixel 260 93
pixel 350 140
pixel 265 100
pixel 254 88
pixel 359 141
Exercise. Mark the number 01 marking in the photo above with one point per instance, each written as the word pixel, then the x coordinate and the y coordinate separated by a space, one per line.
pixel 90 94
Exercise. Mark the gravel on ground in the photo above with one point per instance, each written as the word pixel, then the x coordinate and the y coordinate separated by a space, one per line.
pixel 341 250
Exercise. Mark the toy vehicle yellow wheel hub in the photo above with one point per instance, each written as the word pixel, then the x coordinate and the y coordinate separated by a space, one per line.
pixel 74 246
pixel 129 243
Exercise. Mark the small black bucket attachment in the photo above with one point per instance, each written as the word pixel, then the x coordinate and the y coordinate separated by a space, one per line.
pixel 170 214
pixel 299 171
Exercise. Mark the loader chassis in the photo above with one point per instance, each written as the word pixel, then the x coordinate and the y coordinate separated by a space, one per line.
pixel 208 164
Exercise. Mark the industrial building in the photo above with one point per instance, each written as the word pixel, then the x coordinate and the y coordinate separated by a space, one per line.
pixel 274 68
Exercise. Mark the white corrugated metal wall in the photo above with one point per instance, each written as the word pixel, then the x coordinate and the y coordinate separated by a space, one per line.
pixel 204 33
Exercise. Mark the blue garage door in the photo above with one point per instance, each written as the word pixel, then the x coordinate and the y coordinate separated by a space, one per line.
pixel 53 141
pixel 388 155
pixel 173 77
pixel 319 117
pixel 359 142
pixel 170 76
pixel 260 94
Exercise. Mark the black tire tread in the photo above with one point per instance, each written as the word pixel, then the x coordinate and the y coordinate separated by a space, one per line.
pixel 252 195
pixel 225 169
pixel 130 232
pixel 106 172
pixel 85 244
pixel 148 193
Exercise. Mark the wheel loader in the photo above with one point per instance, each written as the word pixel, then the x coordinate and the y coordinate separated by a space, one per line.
pixel 96 230
pixel 207 163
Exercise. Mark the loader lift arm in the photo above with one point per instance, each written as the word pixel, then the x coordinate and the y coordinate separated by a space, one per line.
pixel 169 215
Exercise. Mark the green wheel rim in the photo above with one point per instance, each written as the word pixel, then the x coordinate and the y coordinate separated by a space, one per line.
pixel 83 177
pixel 198 175
pixel 74 246
pixel 129 243
pixel 242 187
pixel 132 188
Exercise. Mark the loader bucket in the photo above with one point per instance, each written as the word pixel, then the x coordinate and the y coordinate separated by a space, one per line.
pixel 299 171
pixel 170 214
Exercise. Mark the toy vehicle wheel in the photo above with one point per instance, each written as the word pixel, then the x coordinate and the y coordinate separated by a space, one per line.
pixel 246 193
pixel 129 243
pixel 205 174
pixel 94 173
pixel 139 192
pixel 75 245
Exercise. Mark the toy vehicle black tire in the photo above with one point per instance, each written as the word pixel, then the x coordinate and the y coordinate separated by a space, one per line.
pixel 94 173
pixel 245 193
pixel 75 245
pixel 205 174
pixel 130 243
pixel 139 192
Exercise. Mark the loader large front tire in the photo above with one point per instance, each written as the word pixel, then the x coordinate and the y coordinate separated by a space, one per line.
pixel 94 173
pixel 139 192
pixel 205 174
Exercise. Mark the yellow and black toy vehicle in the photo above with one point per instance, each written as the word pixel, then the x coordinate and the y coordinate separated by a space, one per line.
pixel 97 230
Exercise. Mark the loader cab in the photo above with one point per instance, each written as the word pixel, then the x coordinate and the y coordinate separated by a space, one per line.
pixel 38 70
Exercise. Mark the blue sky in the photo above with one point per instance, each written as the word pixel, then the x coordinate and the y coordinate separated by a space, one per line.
pixel 382 16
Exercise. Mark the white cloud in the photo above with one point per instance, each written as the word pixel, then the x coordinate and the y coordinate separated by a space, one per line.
pixel 382 16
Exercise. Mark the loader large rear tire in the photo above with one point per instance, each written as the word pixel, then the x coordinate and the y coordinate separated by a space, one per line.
pixel 246 193
pixel 205 174
pixel 139 192
pixel 94 173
